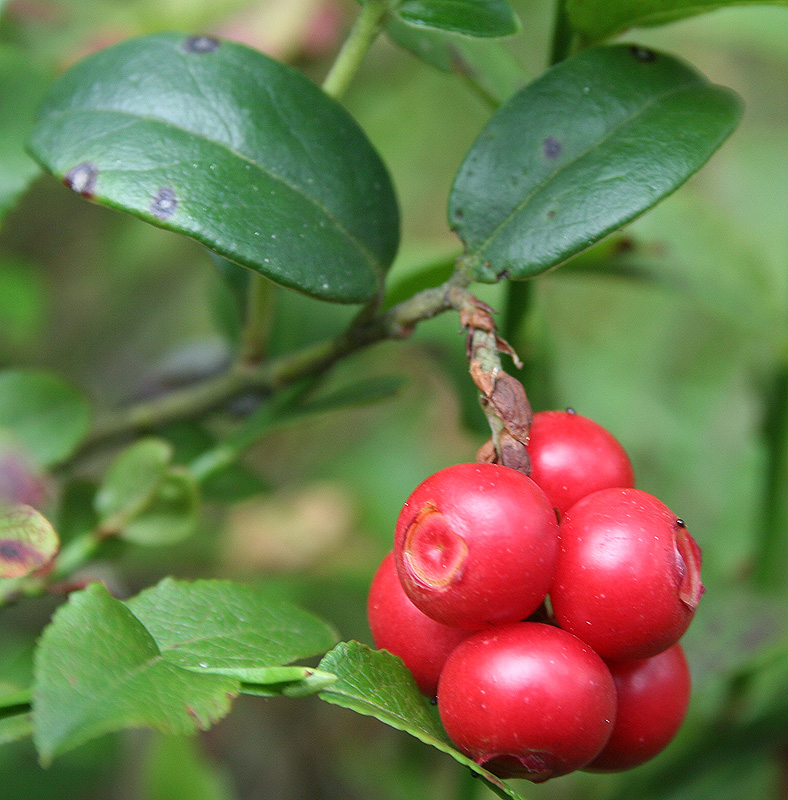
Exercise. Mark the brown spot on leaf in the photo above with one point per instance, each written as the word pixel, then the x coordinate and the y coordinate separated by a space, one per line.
pixel 551 147
pixel 82 179
pixel 201 44
pixel 18 558
pixel 164 203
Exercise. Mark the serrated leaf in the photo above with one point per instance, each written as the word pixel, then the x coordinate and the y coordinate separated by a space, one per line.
pixel 600 19
pixel 46 415
pixel 594 142
pixel 172 515
pixel 377 684
pixel 484 18
pixel 27 541
pixel 244 154
pixel 98 670
pixel 22 86
pixel 226 628
pixel 132 479
pixel 487 66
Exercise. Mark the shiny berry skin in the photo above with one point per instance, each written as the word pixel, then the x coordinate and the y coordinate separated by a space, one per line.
pixel 399 627
pixel 628 575
pixel 572 456
pixel 476 545
pixel 527 700
pixel 653 695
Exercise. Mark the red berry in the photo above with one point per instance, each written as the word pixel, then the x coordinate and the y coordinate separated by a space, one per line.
pixel 628 575
pixel 399 627
pixel 653 695
pixel 476 545
pixel 527 700
pixel 572 456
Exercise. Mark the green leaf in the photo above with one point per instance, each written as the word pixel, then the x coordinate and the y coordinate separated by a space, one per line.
pixel 594 142
pixel 217 141
pixel 377 684
pixel 220 627
pixel 132 480
pixel 22 86
pixel 487 66
pixel 46 415
pixel 98 670
pixel 27 541
pixel 600 19
pixel 485 18
pixel 172 515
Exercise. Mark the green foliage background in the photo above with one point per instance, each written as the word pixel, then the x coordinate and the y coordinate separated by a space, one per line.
pixel 673 335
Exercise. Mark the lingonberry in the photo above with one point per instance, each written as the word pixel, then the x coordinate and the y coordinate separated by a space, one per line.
pixel 572 456
pixel 399 627
pixel 628 575
pixel 652 695
pixel 527 700
pixel 476 545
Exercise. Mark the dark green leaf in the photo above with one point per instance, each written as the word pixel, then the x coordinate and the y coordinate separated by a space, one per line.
pixel 590 145
pixel 27 541
pixel 487 18
pixel 221 627
pixel 600 19
pixel 98 670
pixel 217 141
pixel 46 415
pixel 377 683
pixel 488 67
pixel 22 85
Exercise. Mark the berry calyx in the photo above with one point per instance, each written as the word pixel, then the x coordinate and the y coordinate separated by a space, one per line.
pixel 527 700
pixel 399 627
pixel 628 575
pixel 476 545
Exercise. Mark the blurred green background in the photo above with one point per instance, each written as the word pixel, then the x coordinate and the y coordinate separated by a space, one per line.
pixel 675 339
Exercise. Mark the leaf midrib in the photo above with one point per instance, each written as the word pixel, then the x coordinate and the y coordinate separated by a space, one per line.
pixel 376 266
pixel 553 175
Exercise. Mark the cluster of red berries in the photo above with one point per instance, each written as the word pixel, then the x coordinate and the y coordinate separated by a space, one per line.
pixel 544 612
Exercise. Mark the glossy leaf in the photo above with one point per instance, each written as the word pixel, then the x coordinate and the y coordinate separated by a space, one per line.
pixel 486 66
pixel 27 541
pixel 46 415
pixel 596 141
pixel 214 626
pixel 600 19
pixel 22 86
pixel 98 670
pixel 485 18
pixel 217 141
pixel 377 683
